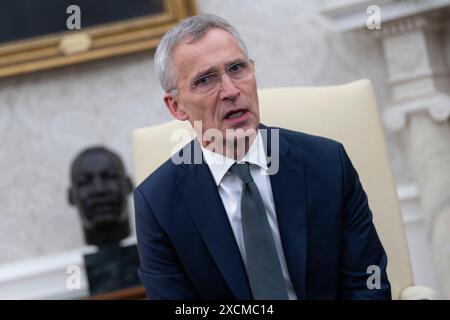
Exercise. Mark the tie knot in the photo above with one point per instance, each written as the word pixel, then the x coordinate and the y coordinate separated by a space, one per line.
pixel 242 170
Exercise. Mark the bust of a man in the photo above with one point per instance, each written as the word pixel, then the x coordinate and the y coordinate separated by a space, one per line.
pixel 99 189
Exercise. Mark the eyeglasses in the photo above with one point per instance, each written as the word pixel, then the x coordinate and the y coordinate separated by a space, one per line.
pixel 211 82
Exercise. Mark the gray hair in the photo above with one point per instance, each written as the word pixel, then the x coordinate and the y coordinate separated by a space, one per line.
pixel 192 29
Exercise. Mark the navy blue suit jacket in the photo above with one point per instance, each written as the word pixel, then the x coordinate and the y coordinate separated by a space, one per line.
pixel 188 251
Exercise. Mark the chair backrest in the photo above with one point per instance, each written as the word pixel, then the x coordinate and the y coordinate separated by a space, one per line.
pixel 346 113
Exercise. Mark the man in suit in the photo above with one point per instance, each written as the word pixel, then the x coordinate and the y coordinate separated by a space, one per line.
pixel 229 227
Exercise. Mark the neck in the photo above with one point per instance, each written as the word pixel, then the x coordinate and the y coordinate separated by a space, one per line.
pixel 107 236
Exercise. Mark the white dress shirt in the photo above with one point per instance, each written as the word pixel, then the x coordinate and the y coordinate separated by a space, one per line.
pixel 230 190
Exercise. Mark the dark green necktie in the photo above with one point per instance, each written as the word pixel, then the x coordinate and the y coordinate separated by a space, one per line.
pixel 263 265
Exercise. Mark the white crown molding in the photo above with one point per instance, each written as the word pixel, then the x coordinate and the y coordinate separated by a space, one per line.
pixel 437 106
pixel 352 15
pixel 417 75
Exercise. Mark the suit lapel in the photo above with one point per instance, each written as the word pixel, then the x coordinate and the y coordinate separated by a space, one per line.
pixel 289 193
pixel 205 206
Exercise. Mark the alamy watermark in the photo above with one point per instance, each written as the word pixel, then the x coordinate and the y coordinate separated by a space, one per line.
pixel 234 142
pixel 374 19
pixel 73 281
pixel 374 280
pixel 73 22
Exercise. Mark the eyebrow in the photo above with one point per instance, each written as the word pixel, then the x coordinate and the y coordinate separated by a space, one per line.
pixel 213 69
pixel 203 73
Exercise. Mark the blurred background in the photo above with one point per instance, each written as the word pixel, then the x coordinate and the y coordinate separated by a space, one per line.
pixel 48 116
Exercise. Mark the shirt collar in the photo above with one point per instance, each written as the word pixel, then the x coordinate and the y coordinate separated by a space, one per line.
pixel 220 164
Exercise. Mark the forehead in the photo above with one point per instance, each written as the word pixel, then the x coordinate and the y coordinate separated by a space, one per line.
pixel 216 48
pixel 96 162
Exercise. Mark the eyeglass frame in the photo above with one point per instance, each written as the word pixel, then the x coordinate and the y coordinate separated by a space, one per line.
pixel 250 62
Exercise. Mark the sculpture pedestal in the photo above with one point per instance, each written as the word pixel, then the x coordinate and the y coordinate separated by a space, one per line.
pixel 112 268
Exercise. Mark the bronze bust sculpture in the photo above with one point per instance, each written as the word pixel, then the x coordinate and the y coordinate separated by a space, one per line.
pixel 99 189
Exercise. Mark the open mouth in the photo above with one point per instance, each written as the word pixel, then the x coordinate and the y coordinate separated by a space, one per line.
pixel 235 114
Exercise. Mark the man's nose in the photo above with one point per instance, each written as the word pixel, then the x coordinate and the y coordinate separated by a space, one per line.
pixel 227 88
pixel 98 183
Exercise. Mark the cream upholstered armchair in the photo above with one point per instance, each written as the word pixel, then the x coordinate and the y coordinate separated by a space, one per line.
pixel 347 113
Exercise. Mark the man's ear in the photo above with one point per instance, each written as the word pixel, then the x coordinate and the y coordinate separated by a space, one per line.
pixel 71 196
pixel 174 107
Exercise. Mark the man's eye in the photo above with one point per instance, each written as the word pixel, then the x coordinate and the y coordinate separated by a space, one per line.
pixel 236 68
pixel 204 81
pixel 109 175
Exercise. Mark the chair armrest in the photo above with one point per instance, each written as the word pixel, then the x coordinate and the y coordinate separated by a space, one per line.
pixel 418 293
